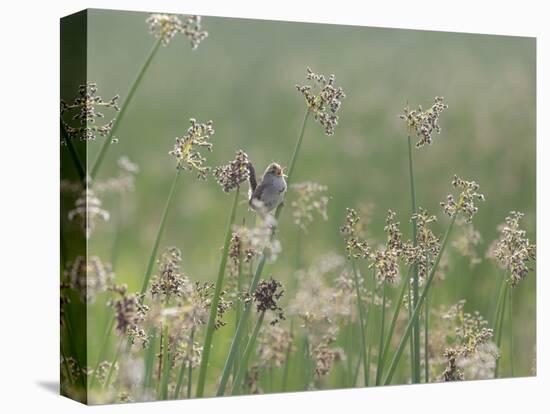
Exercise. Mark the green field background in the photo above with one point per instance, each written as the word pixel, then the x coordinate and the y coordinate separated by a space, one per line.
pixel 242 77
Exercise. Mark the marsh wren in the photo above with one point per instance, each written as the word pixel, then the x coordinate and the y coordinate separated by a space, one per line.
pixel 270 192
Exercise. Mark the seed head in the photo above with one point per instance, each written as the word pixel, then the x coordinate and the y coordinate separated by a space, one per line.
pixel 326 102
pixel 254 241
pixel 169 280
pixel 84 111
pixel 232 175
pixel 466 199
pixel 88 209
pixel 266 297
pixel 186 148
pixel 205 292
pixel 129 312
pixel 89 277
pixel 308 201
pixel 513 251
pixel 166 26
pixel 356 247
pixel 123 182
pixel 424 123
pixel 274 345
pixel 471 335
pixel 467 242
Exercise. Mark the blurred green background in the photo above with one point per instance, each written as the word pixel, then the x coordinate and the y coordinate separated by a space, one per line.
pixel 243 76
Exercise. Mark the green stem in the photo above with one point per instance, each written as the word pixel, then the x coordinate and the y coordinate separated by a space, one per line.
pixel 498 302
pixel 103 348
pixel 511 316
pixel 416 327
pixel 190 364
pixel 416 310
pixel 106 143
pixel 287 359
pixel 73 153
pixel 259 269
pixel 360 311
pixel 248 350
pixel 150 360
pixel 165 364
pixel 113 363
pixel 154 250
pixel 393 323
pixel 381 344
pixel 501 314
pixel 426 340
pixel 181 376
pixel 215 299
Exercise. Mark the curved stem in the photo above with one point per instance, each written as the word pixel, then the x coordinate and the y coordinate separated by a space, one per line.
pixel 381 344
pixel 511 316
pixel 154 250
pixel 360 311
pixel 416 327
pixel 215 299
pixel 416 310
pixel 259 269
pixel 243 366
pixel 103 150
pixel 80 169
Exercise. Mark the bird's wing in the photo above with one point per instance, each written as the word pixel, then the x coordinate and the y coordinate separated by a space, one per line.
pixel 258 191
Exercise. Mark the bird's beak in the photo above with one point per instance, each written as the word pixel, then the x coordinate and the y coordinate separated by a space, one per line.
pixel 281 173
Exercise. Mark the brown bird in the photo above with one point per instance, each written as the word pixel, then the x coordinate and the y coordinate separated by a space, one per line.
pixel 270 192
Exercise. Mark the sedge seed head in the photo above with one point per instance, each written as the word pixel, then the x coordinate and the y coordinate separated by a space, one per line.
pixel 166 26
pixel 186 149
pixel 323 99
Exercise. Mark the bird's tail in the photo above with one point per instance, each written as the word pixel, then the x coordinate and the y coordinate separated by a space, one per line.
pixel 252 177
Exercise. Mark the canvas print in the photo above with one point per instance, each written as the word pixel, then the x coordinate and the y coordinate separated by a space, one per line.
pixel 253 207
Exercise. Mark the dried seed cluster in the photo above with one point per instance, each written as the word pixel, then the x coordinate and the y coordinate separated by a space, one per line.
pixel 186 148
pixel 355 246
pixel 512 250
pixel 424 123
pixel 251 242
pixel 266 297
pixel 166 26
pixel 85 111
pixel 170 281
pixel 88 209
pixel 471 333
pixel 129 312
pixel 467 198
pixel 309 201
pixel 232 175
pixel 326 102
pixel 274 345
pixel 205 292
pixel 89 277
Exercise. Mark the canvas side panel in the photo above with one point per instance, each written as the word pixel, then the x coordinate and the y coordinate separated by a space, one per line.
pixel 73 151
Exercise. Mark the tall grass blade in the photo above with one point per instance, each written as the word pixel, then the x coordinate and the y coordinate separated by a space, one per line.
pixel 215 300
pixel 259 269
pixel 133 87
pixel 416 311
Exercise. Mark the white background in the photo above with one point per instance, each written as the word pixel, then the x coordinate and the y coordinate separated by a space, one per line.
pixel 29 203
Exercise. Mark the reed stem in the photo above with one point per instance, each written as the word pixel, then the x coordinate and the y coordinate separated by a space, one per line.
pixel 416 327
pixel 381 344
pixel 360 312
pixel 416 310
pixel 243 366
pixel 259 269
pixel 216 299
pixel 116 122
